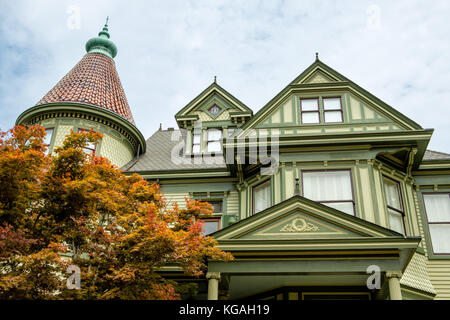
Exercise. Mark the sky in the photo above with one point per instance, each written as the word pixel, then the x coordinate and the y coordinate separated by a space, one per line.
pixel 170 51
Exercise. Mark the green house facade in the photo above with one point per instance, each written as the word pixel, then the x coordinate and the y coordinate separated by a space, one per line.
pixel 326 192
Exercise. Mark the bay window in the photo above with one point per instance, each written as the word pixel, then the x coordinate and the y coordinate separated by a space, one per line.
pixel 332 188
pixel 261 197
pixel 394 205
pixel 437 208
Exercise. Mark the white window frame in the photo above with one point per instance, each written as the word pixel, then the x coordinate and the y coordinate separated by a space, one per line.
pixel 434 222
pixel 327 202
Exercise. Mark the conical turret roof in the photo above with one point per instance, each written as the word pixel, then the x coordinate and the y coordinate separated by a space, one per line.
pixel 94 80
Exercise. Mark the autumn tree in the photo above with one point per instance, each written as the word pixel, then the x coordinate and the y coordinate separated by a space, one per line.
pixel 76 208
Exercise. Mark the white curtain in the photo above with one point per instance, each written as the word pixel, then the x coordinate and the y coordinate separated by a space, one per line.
pixel 437 207
pixel 262 197
pixel 214 134
pixel 392 194
pixel 396 221
pixel 440 237
pixel 438 210
pixel 327 185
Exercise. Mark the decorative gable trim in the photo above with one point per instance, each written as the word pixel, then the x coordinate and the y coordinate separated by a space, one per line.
pixel 214 94
pixel 301 218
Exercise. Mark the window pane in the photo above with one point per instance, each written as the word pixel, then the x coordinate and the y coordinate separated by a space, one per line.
pixel 310 117
pixel 346 207
pixel 48 137
pixel 327 185
pixel 333 116
pixel 217 206
pixel 196 148
pixel 440 237
pixel 88 151
pixel 392 194
pixel 437 207
pixel 331 103
pixel 309 104
pixel 214 134
pixel 396 221
pixel 90 146
pixel 210 226
pixel 196 139
pixel 262 197
pixel 214 146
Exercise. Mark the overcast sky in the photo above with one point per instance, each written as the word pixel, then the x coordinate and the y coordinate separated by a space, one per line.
pixel 169 51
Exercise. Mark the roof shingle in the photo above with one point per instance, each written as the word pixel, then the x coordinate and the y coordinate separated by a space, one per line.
pixel 94 80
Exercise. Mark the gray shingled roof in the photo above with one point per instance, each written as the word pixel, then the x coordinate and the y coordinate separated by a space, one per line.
pixel 161 155
pixel 435 155
pixel 162 144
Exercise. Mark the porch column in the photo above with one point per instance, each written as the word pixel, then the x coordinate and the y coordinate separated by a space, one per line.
pixel 213 285
pixel 395 293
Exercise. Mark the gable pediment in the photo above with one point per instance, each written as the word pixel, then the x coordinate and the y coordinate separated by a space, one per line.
pixel 299 218
pixel 361 111
pixel 213 104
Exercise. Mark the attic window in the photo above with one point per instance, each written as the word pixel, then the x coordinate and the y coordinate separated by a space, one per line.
pixel 332 109
pixel 214 110
pixel 310 110
pixel 214 140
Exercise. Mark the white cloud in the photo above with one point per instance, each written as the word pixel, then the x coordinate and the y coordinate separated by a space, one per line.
pixel 169 51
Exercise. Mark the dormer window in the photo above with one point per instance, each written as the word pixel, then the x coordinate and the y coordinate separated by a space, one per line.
pixel 214 140
pixel 214 110
pixel 197 143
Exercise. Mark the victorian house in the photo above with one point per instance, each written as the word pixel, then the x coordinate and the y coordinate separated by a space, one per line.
pixel 326 192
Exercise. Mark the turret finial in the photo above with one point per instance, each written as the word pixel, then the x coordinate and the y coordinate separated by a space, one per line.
pixel 102 44
pixel 317 56
pixel 215 79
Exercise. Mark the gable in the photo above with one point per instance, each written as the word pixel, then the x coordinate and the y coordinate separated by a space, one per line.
pixel 361 110
pixel 227 107
pixel 299 218
pixel 318 76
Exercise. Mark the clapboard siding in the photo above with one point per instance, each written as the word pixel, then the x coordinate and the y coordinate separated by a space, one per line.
pixel 439 271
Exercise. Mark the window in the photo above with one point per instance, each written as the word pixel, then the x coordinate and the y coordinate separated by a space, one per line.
pixel 48 138
pixel 214 110
pixel 437 208
pixel 332 109
pixel 210 225
pixel 230 131
pixel 309 109
pixel 196 143
pixel 217 205
pixel 261 197
pixel 214 140
pixel 90 147
pixel 332 188
pixel 394 205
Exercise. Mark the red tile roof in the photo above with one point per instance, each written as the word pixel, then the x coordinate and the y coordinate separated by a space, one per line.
pixel 94 80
